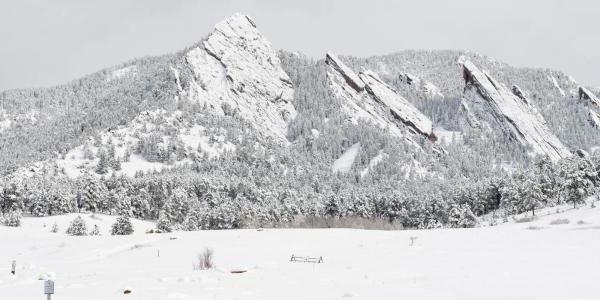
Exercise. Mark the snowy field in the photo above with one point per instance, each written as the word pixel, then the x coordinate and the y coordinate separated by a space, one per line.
pixel 534 260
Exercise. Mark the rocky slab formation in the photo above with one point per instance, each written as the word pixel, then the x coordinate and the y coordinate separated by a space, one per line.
pixel 340 68
pixel 513 111
pixel 400 108
pixel 237 71
pixel 594 118
pixel 366 97
pixel 587 95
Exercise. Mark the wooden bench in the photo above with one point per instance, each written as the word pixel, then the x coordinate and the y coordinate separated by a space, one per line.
pixel 306 259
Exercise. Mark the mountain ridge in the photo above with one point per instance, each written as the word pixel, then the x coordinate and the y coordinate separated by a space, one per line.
pixel 183 82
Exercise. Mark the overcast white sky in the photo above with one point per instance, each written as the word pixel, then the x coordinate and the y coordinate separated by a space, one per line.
pixel 46 42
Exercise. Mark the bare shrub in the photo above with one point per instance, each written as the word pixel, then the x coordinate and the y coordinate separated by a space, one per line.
pixel 560 222
pixel 54 228
pixel 581 222
pixel 343 222
pixel 535 227
pixel 525 219
pixel 205 260
pixel 412 240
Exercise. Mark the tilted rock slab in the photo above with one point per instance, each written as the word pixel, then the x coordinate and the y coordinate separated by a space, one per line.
pixel 587 95
pixel 514 112
pixel 366 97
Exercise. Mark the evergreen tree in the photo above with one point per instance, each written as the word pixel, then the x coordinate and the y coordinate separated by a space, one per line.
pixel 103 162
pixel 77 227
pixel 163 224
pixel 93 193
pixel 122 226
pixel 13 219
pixel 177 206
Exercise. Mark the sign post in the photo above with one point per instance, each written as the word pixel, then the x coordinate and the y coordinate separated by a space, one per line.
pixel 49 288
pixel 14 267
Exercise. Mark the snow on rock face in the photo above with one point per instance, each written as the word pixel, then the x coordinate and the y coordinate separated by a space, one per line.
pixel 517 116
pixel 237 71
pixel 366 97
pixel 587 95
pixel 400 108
pixel 555 83
pixel 356 104
pixel 351 78
pixel 516 90
pixel 594 118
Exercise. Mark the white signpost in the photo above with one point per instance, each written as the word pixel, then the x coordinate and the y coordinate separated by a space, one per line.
pixel 49 288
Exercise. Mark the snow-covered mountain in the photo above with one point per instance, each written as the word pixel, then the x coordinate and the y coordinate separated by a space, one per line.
pixel 452 113
pixel 231 132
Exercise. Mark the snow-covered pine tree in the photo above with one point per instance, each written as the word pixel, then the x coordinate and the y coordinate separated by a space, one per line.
pixel 177 206
pixel 122 226
pixel 13 218
pixel 533 196
pixel 77 227
pixel 93 192
pixel 163 224
pixel 103 162
pixel 113 160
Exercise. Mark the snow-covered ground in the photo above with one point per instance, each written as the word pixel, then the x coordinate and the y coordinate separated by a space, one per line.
pixel 344 163
pixel 534 260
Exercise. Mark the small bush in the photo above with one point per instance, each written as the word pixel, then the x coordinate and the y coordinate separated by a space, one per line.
pixel 205 260
pixel 560 222
pixel 13 219
pixel 525 219
pixel 581 222
pixel 95 230
pixel 54 228
pixel 77 227
pixel 535 227
pixel 122 226
pixel 163 224
pixel 412 240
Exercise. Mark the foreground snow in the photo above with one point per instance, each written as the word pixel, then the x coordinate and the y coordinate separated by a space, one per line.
pixel 511 261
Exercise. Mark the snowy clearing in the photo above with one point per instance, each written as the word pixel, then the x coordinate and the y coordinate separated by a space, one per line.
pixel 344 163
pixel 534 260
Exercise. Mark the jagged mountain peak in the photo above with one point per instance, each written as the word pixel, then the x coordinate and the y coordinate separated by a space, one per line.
pixel 237 71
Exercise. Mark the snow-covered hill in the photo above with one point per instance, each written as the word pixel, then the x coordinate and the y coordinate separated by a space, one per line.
pixel 153 141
